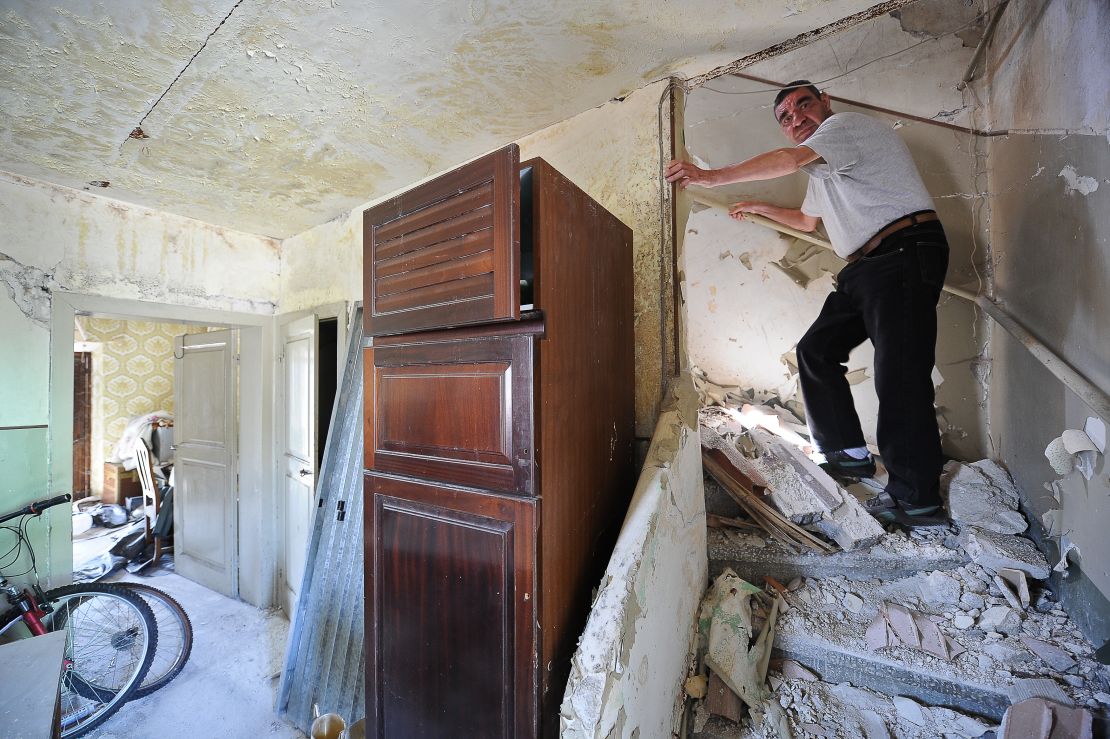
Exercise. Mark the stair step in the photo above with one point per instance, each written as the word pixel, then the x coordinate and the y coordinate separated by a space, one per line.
pixel 896 555
pixel 825 625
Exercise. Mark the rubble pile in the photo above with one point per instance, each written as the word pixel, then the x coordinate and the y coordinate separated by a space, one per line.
pixel 980 619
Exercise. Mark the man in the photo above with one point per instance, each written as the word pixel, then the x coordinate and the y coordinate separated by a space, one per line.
pixel 865 189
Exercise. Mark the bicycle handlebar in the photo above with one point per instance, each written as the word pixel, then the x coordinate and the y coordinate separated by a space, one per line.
pixel 37 507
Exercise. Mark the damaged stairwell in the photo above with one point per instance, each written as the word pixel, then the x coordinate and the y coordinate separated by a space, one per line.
pixel 947 631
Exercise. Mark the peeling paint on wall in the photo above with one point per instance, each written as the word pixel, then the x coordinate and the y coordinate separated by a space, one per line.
pixel 1075 183
pixel 626 676
pixel 28 287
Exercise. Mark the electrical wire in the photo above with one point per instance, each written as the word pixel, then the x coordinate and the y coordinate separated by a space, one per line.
pixel 954 31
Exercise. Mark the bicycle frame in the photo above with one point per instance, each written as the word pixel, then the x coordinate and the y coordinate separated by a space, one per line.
pixel 29 608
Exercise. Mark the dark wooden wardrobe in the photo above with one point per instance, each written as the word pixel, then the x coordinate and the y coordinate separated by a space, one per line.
pixel 498 446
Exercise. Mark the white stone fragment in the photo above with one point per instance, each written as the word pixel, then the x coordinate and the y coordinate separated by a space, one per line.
pixel 1000 618
pixel 1040 687
pixel 853 602
pixel 910 710
pixel 1052 655
pixel 982 494
pixel 963 621
pixel 998 551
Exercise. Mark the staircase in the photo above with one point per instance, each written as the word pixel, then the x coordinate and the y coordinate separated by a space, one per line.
pixel 999 654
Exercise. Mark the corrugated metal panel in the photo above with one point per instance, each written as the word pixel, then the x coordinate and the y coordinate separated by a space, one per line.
pixel 324 660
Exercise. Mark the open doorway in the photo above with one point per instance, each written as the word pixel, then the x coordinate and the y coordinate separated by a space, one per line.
pixel 252 551
pixel 124 395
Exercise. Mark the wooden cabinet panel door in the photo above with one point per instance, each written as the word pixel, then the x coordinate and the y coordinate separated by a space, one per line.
pixel 456 410
pixel 450 612
pixel 446 253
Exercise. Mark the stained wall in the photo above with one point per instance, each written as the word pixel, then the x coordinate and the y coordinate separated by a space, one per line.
pixel 1050 240
pixel 59 240
pixel 745 314
pixel 612 153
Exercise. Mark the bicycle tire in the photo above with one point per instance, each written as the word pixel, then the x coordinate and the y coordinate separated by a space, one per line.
pixel 175 638
pixel 103 622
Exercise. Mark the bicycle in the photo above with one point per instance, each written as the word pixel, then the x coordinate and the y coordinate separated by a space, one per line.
pixel 175 638
pixel 111 633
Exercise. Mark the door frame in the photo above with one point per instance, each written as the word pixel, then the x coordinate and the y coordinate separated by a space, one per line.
pixel 342 312
pixel 257 543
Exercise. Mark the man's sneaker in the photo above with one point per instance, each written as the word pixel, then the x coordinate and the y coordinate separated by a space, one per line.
pixel 888 510
pixel 842 465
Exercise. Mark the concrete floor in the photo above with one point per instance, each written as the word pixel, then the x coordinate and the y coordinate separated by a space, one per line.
pixel 228 686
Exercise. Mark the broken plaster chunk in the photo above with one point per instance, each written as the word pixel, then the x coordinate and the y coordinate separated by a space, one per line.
pixel 1053 656
pixel 853 603
pixel 792 670
pixel 910 710
pixel 999 551
pixel 1058 458
pixel 939 589
pixel 1037 687
pixel 1000 618
pixel 983 494
pixel 963 621
pixel 1014 586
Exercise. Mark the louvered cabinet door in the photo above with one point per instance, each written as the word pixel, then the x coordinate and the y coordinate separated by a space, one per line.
pixel 446 253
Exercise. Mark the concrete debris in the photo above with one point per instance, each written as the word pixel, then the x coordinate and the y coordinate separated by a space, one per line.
pixel 792 670
pixel 983 495
pixel 1002 619
pixel 853 603
pixel 805 494
pixel 939 589
pixel 734 651
pixel 963 621
pixel 1037 687
pixel 1000 551
pixel 1014 586
pixel 910 710
pixel 1053 656
pixel 818 708
pixel 1037 718
pixel 798 493
pixel 896 625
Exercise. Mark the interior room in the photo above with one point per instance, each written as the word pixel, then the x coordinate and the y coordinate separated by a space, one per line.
pixel 479 425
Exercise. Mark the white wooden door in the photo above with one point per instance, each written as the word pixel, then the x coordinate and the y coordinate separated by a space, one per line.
pixel 205 503
pixel 298 453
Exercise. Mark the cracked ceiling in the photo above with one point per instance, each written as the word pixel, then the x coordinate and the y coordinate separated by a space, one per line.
pixel 275 116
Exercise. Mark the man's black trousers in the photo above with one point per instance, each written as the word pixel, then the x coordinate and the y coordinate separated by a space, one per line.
pixel 889 297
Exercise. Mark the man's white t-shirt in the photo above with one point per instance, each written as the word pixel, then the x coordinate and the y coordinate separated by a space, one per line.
pixel 868 179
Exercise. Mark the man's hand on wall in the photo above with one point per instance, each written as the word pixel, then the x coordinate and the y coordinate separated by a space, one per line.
pixel 686 173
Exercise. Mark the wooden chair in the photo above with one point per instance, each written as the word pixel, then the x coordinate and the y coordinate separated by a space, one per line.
pixel 145 470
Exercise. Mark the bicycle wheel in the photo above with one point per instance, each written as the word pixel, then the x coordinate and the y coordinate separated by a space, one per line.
pixel 111 638
pixel 175 638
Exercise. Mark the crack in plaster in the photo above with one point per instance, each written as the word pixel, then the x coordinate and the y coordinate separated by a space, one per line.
pixel 138 128
pixel 29 288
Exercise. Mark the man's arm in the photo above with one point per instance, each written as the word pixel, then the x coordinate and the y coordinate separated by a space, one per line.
pixel 792 217
pixel 766 166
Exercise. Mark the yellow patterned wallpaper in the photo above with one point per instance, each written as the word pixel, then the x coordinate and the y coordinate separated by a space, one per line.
pixel 132 375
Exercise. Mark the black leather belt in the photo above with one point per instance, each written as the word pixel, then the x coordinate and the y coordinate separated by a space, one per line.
pixel 892 228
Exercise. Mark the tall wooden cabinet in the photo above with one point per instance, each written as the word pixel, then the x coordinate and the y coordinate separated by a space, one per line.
pixel 498 444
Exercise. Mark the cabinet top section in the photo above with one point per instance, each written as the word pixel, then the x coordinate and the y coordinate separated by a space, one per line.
pixel 446 253
pixel 481 244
